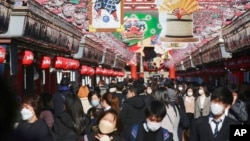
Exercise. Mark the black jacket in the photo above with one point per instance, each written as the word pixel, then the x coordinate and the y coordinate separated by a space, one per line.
pixel 201 130
pixel 132 111
pixel 63 128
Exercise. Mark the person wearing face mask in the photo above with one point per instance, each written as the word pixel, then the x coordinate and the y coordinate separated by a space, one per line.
pixel 215 126
pixel 150 129
pixel 31 128
pixel 202 103
pixel 189 102
pixel 109 127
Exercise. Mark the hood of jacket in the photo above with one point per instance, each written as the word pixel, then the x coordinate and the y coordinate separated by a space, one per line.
pixel 136 102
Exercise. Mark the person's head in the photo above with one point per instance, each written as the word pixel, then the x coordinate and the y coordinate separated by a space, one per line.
pixel 220 100
pixel 233 88
pixel 149 90
pixel 29 109
pixel 155 112
pixel 189 91
pixel 203 90
pixel 119 86
pixel 45 101
pixel 113 81
pixel 74 108
pixel 109 99
pixel 139 86
pixel 161 94
pixel 112 88
pixel 132 91
pixel 181 87
pixel 172 93
pixel 101 83
pixel 109 122
pixel 94 98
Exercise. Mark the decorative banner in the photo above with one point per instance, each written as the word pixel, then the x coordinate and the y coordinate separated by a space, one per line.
pixel 106 16
pixel 137 27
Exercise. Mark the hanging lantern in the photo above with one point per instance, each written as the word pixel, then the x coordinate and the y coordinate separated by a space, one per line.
pixel 44 62
pixel 84 70
pixel 75 64
pixel 60 62
pixel 98 71
pixel 26 57
pixel 2 54
pixel 91 71
pixel 104 72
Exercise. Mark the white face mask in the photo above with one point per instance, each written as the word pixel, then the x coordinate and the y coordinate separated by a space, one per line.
pixel 149 91
pixel 189 93
pixel 26 114
pixel 180 88
pixel 201 92
pixel 217 109
pixel 153 126
pixel 95 102
pixel 106 127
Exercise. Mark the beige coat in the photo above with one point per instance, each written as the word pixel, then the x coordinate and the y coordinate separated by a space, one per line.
pixel 206 107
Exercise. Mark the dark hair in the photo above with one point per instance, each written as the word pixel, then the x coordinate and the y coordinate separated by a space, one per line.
pixel 139 86
pixel 207 94
pixel 222 94
pixel 232 87
pixel 169 84
pixel 65 81
pixel 119 86
pixel 74 107
pixel 116 117
pixel 133 90
pixel 32 100
pixel 161 94
pixel 91 93
pixel 111 100
pixel 44 102
pixel 156 108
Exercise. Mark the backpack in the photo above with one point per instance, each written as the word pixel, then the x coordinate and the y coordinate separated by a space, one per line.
pixel 134 132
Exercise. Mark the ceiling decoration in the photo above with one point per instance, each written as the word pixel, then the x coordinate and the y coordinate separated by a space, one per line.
pixel 207 21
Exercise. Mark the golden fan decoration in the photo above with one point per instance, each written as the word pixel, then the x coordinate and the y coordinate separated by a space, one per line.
pixel 179 7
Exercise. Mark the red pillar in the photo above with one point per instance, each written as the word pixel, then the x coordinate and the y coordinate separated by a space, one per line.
pixel 172 72
pixel 133 70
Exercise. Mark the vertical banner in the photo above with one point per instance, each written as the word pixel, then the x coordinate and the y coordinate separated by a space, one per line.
pixel 106 16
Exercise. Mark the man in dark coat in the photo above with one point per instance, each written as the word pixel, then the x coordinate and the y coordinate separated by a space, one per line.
pixel 214 127
pixel 132 110
pixel 59 97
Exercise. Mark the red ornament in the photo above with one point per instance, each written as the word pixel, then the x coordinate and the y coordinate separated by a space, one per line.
pixel 45 62
pixel 2 54
pixel 91 71
pixel 84 70
pixel 99 71
pixel 75 64
pixel 26 57
pixel 60 63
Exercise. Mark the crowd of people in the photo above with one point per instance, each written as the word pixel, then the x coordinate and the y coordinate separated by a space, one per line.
pixel 131 110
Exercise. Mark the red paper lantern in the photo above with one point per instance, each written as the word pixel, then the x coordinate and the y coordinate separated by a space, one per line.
pixel 91 71
pixel 98 71
pixel 26 57
pixel 45 62
pixel 60 63
pixel 104 72
pixel 2 54
pixel 75 64
pixel 84 70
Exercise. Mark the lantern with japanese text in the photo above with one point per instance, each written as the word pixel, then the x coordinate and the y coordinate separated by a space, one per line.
pixel 44 63
pixel 26 57
pixel 2 54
